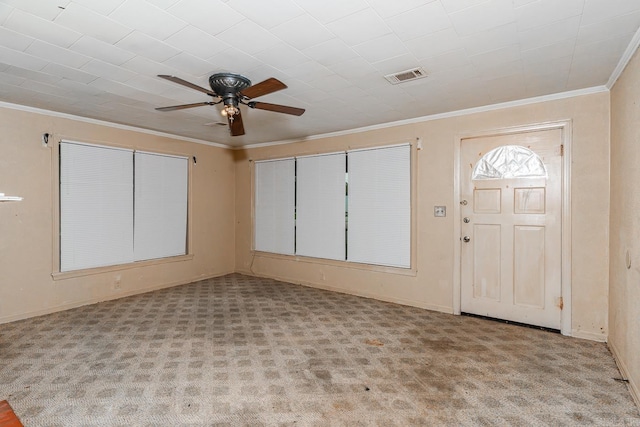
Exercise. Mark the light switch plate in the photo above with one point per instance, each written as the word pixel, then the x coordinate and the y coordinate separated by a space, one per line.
pixel 439 211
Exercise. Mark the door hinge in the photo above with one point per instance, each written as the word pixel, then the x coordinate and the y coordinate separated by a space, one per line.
pixel 562 149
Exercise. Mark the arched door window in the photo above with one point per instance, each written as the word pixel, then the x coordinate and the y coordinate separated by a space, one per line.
pixel 509 161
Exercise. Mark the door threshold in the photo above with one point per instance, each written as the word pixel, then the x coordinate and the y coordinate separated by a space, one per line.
pixel 509 322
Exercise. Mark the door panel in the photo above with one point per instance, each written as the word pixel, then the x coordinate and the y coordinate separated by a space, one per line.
pixel 511 251
pixel 529 200
pixel 487 200
pixel 528 266
pixel 487 262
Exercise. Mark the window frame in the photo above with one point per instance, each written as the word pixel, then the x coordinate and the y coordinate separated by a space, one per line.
pixel 402 271
pixel 56 273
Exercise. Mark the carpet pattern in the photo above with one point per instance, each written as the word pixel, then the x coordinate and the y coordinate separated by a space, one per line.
pixel 245 351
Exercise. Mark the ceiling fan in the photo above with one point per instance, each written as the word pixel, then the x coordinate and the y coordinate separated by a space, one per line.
pixel 232 90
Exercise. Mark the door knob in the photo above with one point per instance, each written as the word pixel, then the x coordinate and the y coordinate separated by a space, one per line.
pixel 466 239
pixel 463 203
pixel 466 220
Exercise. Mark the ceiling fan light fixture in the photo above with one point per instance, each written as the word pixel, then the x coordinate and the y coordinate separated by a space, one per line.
pixel 230 107
pixel 229 111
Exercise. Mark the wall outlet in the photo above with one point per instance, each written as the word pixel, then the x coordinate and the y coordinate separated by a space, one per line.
pixel 439 211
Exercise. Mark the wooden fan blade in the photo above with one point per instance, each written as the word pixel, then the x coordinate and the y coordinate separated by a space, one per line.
pixel 187 84
pixel 277 108
pixel 236 127
pixel 268 86
pixel 183 106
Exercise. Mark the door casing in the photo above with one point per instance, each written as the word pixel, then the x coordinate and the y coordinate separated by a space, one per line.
pixel 565 127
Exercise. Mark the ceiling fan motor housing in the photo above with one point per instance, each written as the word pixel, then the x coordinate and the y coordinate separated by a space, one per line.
pixel 228 83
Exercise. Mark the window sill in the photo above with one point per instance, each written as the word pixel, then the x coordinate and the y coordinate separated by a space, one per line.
pixel 62 275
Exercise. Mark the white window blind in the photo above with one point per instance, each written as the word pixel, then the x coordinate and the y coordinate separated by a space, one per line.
pixel 96 206
pixel 275 206
pixel 160 221
pixel 320 206
pixel 379 223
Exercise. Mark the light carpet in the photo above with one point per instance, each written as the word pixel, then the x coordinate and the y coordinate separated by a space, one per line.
pixel 245 351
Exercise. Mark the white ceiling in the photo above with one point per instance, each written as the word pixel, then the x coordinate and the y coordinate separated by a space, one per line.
pixel 99 58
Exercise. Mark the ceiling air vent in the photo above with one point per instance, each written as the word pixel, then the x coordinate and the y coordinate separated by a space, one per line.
pixel 405 76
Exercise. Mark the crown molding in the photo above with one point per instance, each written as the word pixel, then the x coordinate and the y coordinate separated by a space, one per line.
pixel 108 124
pixel 624 60
pixel 457 113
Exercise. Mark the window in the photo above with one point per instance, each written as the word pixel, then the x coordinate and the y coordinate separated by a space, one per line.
pixel 320 206
pixel 117 206
pixel 353 206
pixel 380 206
pixel 275 206
pixel 96 209
pixel 160 220
pixel 509 161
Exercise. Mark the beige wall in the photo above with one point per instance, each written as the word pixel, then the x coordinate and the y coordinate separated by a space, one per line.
pixel 26 228
pixel 432 284
pixel 624 283
pixel 26 243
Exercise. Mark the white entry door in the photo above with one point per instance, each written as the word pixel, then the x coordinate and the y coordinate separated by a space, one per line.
pixel 511 199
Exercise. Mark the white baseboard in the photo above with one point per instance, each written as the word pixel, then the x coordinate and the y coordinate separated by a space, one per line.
pixel 385 298
pixel 591 336
pixel 80 303
pixel 634 389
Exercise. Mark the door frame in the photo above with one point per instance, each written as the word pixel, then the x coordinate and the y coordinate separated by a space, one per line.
pixel 566 128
